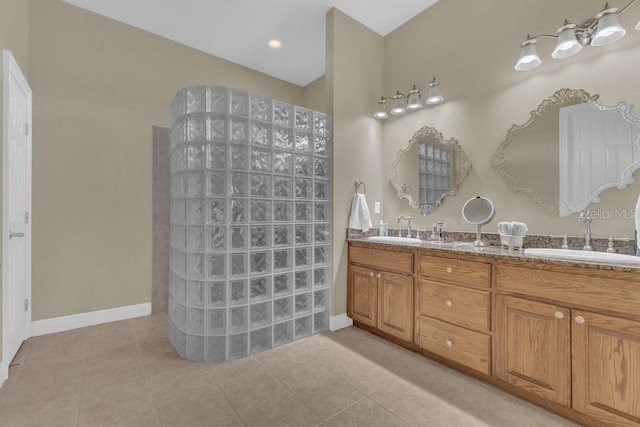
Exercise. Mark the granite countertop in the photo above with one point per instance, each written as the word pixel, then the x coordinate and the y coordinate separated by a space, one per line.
pixel 496 252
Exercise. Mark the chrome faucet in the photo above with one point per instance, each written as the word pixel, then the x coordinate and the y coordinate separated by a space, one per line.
pixel 437 232
pixel 407 218
pixel 585 217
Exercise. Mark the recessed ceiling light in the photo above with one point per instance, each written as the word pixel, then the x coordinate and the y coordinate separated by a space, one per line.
pixel 274 44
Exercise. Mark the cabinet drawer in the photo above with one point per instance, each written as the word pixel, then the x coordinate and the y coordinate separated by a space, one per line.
pixel 381 259
pixel 600 289
pixel 454 304
pixel 461 345
pixel 470 273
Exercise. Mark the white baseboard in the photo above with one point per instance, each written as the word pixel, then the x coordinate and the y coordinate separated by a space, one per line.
pixel 339 322
pixel 75 321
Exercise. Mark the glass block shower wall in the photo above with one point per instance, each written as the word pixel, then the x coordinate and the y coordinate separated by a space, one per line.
pixel 250 235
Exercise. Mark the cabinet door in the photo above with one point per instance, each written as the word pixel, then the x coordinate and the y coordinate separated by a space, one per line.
pixel 533 347
pixel 395 305
pixel 606 368
pixel 362 295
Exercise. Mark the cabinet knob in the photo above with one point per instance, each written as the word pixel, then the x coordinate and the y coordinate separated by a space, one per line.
pixel 448 269
pixel 379 275
pixel 448 303
pixel 448 343
pixel 371 273
pixel 579 320
pixel 559 315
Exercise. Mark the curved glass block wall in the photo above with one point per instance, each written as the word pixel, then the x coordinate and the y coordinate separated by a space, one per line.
pixel 250 235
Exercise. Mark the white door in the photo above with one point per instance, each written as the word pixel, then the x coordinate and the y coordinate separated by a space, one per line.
pixel 597 149
pixel 16 209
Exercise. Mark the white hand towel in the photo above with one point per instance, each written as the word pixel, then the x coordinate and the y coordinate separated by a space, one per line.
pixel 360 217
pixel 637 215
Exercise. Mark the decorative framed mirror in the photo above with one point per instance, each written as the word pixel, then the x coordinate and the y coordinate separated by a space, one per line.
pixel 428 170
pixel 570 150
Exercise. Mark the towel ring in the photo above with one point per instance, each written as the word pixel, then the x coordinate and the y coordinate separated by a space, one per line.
pixel 358 184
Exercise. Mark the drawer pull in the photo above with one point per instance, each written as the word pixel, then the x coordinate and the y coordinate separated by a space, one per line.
pixel 559 315
pixel 448 269
pixel 371 273
pixel 448 343
pixel 579 320
pixel 379 275
pixel 448 303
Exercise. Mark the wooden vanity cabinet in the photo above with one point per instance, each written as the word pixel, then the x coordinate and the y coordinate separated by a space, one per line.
pixel 550 343
pixel 380 290
pixel 606 368
pixel 533 347
pixel 453 310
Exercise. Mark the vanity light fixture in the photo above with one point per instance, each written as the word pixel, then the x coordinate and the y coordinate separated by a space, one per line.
pixel 409 102
pixel 571 38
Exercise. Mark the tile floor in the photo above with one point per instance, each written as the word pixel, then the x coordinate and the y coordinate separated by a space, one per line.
pixel 127 374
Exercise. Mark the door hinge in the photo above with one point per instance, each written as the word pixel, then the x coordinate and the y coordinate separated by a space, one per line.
pixel 26 305
pixel 26 128
pixel 26 217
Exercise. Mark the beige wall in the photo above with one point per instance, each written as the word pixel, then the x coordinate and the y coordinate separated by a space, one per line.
pixel 99 86
pixel 472 51
pixel 353 81
pixel 14 27
pixel 314 95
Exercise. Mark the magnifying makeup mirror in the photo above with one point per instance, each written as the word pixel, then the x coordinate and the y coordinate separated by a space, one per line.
pixel 478 211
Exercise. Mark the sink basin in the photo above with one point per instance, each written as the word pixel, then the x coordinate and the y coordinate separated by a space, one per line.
pixel 396 240
pixel 588 256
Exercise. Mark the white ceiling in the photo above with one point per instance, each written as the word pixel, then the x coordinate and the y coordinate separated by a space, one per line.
pixel 238 30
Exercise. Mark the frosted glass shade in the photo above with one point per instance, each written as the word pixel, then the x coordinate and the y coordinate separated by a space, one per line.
pixel 528 57
pixel 381 111
pixel 568 44
pixel 609 30
pixel 398 106
pixel 414 103
pixel 434 96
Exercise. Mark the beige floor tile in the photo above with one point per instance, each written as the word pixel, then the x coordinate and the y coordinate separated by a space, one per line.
pixel 251 388
pixel 278 353
pixel 60 338
pixel 327 395
pixel 495 407
pixel 365 413
pixel 547 419
pixel 331 355
pixel 181 382
pixel 102 378
pixel 296 369
pixel 23 353
pixel 112 328
pixel 61 417
pixel 365 375
pixel 144 419
pixel 206 406
pixel 282 410
pixel 227 372
pixel 17 400
pixel 409 402
pixel 56 354
pixel 160 356
pixel 130 375
pixel 115 405
pixel 150 327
